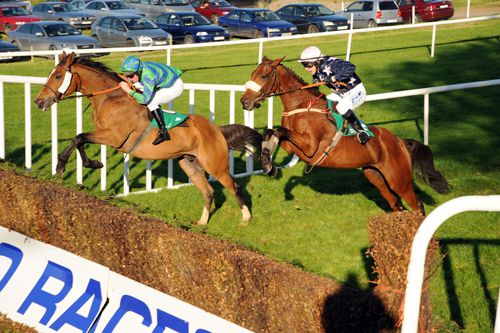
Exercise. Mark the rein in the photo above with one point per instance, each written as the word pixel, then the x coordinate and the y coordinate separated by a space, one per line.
pixel 67 81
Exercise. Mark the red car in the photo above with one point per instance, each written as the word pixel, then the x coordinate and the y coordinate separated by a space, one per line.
pixel 212 9
pixel 426 10
pixel 13 17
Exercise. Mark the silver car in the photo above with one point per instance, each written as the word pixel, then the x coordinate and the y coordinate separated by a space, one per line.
pixel 101 8
pixel 16 3
pixel 371 13
pixel 61 11
pixel 47 35
pixel 131 30
pixel 154 8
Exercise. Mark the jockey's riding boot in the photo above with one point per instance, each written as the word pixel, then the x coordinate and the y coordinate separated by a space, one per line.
pixel 363 136
pixel 162 130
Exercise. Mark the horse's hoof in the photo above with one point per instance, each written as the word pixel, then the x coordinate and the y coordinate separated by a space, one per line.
pixel 273 172
pixel 94 164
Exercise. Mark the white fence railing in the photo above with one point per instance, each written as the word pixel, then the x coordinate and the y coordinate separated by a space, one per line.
pixel 416 267
pixel 192 88
pixel 261 41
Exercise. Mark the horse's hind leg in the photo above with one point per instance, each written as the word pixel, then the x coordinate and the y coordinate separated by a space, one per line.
pixel 377 179
pixel 228 182
pixel 197 176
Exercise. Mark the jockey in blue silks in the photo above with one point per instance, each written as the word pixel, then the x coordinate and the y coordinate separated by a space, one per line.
pixel 160 84
pixel 348 92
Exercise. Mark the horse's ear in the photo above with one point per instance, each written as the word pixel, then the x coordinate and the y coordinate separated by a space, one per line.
pixel 264 59
pixel 71 57
pixel 278 61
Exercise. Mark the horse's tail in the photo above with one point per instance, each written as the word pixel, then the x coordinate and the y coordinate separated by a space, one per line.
pixel 423 166
pixel 243 138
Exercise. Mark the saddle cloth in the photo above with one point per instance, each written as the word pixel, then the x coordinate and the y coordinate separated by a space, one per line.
pixel 171 119
pixel 339 120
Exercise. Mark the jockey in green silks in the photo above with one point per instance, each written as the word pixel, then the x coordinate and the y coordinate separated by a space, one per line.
pixel 160 84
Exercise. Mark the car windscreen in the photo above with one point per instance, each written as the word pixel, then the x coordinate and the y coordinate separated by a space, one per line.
pixel 139 24
pixel 317 10
pixel 388 5
pixel 191 20
pixel 61 8
pixel 265 16
pixel 114 5
pixel 54 30
pixel 14 11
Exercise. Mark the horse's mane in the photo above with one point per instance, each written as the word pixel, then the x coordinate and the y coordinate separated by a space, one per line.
pixel 97 65
pixel 301 80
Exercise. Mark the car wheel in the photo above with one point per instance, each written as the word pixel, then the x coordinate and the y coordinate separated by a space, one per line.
pixel 188 39
pixel 52 48
pixel 418 19
pixel 129 42
pixel 215 19
pixel 312 29
pixel 372 24
pixel 259 34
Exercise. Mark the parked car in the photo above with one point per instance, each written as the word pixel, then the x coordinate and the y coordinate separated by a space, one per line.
pixel 189 27
pixel 101 8
pixel 78 5
pixel 371 13
pixel 426 10
pixel 17 3
pixel 8 47
pixel 311 18
pixel 60 11
pixel 256 23
pixel 129 30
pixel 212 9
pixel 49 35
pixel 13 17
pixel 154 8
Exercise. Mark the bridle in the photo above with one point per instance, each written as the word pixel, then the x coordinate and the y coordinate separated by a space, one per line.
pixel 68 77
pixel 267 90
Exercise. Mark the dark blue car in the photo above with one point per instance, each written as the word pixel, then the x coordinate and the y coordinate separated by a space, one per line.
pixel 311 18
pixel 191 27
pixel 256 23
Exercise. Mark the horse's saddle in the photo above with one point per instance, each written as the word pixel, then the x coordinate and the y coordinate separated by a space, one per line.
pixel 338 120
pixel 172 119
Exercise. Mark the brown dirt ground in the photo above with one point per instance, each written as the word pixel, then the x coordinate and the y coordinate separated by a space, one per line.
pixel 220 277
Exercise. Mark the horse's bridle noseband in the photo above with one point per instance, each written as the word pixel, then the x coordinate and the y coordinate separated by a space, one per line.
pixel 270 87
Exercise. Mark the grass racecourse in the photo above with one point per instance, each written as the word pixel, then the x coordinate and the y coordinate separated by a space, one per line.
pixel 318 222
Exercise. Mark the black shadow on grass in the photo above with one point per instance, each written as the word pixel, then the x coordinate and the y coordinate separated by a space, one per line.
pixel 449 277
pixel 353 309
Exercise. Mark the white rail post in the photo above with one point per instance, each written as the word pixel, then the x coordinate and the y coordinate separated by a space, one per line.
pixel 79 129
pixel 126 174
pixel 27 125
pixel 426 119
pixel 2 123
pixel 170 163
pixel 433 43
pixel 416 267
pixel 104 167
pixel 468 14
pixel 53 121
pixel 260 51
pixel 232 100
pixel 413 15
pixel 349 39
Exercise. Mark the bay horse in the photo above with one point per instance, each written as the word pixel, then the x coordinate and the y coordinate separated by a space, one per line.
pixel 122 123
pixel 386 160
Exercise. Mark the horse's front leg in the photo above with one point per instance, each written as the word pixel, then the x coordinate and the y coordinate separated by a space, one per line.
pixel 97 137
pixel 269 145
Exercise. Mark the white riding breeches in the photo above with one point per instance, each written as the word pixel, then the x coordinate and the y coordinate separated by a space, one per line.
pixel 166 95
pixel 350 100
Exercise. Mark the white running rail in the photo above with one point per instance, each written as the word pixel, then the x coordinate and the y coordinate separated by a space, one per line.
pixel 416 267
pixel 192 88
